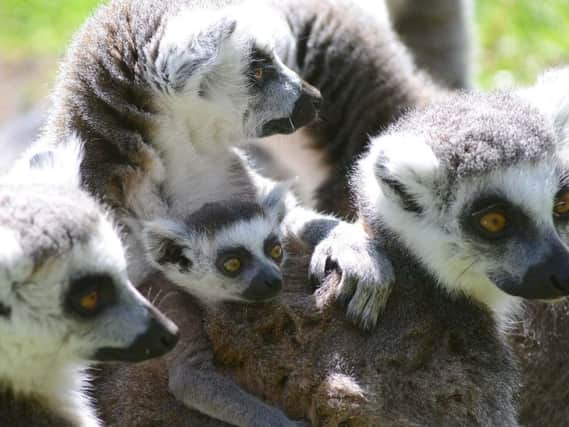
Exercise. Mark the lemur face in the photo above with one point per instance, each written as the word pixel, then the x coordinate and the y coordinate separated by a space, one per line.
pixel 231 66
pixel 225 251
pixel 64 291
pixel 475 187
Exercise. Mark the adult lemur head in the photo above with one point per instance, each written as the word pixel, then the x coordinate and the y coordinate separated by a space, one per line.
pixel 65 298
pixel 474 189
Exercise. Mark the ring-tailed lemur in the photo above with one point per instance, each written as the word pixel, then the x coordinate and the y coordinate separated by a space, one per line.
pixel 349 50
pixel 484 180
pixel 225 251
pixel 469 199
pixel 65 298
pixel 159 91
pixel 438 33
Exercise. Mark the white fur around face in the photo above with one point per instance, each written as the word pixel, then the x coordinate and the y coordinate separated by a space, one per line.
pixel 435 236
pixel 203 280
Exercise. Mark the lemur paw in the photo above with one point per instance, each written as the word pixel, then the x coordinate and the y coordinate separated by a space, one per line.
pixel 366 275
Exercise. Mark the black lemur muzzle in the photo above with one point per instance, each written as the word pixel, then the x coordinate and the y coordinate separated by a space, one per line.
pixel 548 279
pixel 305 111
pixel 160 336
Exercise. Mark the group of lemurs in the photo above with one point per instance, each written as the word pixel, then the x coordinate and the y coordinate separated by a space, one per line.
pixel 341 231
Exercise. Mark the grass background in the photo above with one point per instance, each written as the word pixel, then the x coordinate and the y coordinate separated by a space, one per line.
pixel 517 39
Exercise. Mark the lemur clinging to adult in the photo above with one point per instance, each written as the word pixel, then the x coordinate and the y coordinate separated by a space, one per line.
pixel 225 251
pixel 65 298
pixel 469 200
pixel 159 91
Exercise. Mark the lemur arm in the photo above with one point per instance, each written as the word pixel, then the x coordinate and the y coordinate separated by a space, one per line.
pixel 194 381
pixel 366 272
pixel 192 377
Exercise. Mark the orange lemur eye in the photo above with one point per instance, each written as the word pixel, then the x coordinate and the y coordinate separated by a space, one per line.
pixel 276 252
pixel 258 73
pixel 89 301
pixel 561 206
pixel 493 222
pixel 232 265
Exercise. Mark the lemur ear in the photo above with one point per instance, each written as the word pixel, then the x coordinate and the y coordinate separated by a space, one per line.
pixel 550 95
pixel 165 245
pixel 275 201
pixel 404 167
pixel 184 53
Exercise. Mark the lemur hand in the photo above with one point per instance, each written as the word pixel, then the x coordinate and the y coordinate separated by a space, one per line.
pixel 366 275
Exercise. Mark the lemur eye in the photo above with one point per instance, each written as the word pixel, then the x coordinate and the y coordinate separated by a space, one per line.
pixel 493 222
pixel 232 265
pixel 561 206
pixel 276 252
pixel 90 294
pixel 258 73
pixel 89 301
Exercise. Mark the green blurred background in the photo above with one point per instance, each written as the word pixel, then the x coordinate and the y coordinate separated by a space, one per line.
pixel 517 39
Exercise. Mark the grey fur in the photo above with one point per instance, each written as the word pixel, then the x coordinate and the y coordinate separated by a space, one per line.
pixel 438 33
pixel 55 239
pixel 423 328
pixel 192 376
pixel 111 92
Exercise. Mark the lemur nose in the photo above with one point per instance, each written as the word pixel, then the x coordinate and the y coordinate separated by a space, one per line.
pixel 274 283
pixel 549 278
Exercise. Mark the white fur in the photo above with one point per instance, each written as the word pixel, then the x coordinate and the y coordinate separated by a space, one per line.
pixel 435 237
pixel 550 95
pixel 43 352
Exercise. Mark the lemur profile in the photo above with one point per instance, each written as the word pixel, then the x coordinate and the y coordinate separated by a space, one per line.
pixel 225 251
pixel 65 298
pixel 160 91
pixel 370 68
pixel 468 198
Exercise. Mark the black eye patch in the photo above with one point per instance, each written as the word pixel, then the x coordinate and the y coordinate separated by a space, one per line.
pixel 268 247
pixel 261 67
pixel 90 294
pixel 240 253
pixel 5 311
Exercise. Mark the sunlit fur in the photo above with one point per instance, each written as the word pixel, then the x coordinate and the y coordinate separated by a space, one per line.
pixel 53 231
pixel 524 170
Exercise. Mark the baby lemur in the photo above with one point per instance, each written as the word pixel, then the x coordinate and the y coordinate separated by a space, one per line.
pixel 65 298
pixel 225 251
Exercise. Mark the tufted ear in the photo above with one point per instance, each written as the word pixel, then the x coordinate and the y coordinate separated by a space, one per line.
pixel 185 52
pixel 275 201
pixel 166 245
pixel 403 167
pixel 550 95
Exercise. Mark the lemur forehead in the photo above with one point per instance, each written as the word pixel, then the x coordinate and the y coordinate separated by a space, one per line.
pixel 46 221
pixel 214 216
pixel 473 134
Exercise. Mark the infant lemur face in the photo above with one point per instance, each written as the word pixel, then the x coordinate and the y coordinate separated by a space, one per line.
pixel 225 251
